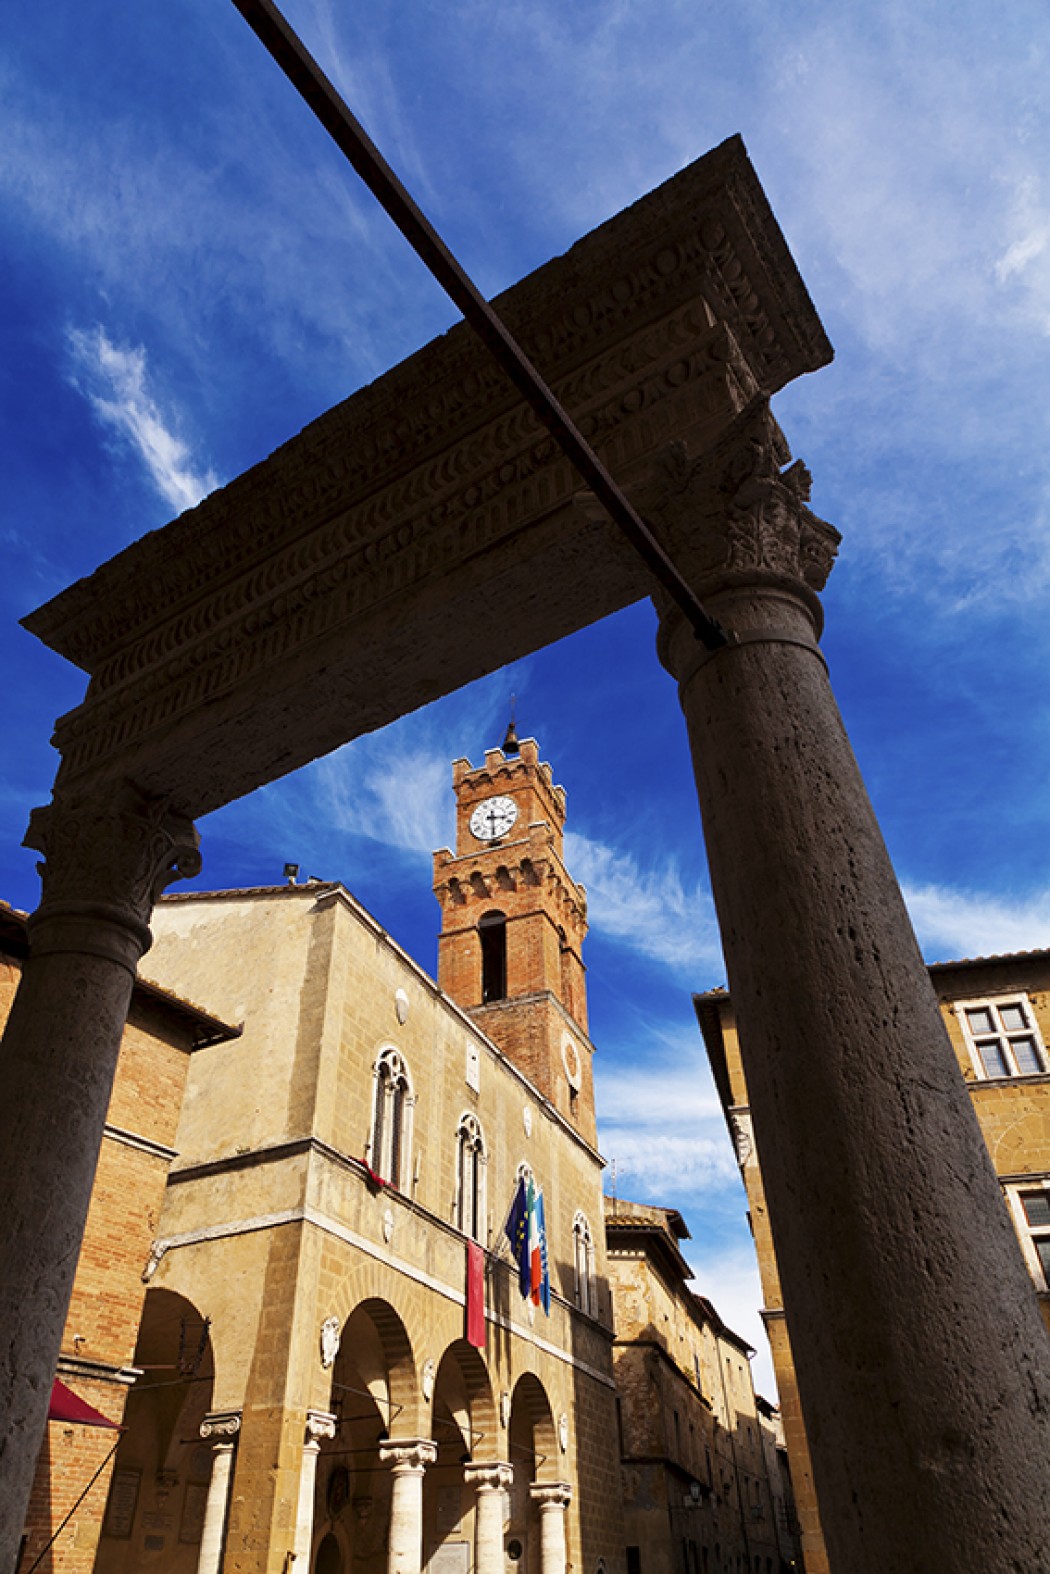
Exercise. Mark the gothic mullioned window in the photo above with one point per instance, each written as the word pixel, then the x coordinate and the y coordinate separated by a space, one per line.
pixel 583 1261
pixel 391 1119
pixel 470 1178
pixel 1002 1037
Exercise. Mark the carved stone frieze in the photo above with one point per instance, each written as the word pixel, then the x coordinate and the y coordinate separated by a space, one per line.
pixel 448 512
pixel 270 623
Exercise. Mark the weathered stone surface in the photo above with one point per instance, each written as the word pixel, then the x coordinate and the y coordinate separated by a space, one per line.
pixel 310 600
pixel 924 1374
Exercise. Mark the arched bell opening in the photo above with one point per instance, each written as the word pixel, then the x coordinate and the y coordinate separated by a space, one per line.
pixel 159 1487
pixel 492 933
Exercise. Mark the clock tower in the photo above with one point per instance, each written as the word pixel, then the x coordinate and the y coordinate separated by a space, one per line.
pixel 513 923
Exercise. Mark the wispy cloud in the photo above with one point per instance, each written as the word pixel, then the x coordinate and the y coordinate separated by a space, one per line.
pixel 952 923
pixel 388 791
pixel 661 1120
pixel 113 379
pixel 646 907
pixel 392 788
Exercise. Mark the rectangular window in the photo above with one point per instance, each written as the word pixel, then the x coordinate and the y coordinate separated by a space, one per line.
pixel 1030 1208
pixel 634 1560
pixel 1002 1037
pixel 1035 1206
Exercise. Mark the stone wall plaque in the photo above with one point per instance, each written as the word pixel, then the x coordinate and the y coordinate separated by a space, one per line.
pixel 452 1557
pixel 193 1505
pixel 120 1509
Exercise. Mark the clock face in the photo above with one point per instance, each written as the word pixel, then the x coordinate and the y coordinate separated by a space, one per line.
pixel 493 818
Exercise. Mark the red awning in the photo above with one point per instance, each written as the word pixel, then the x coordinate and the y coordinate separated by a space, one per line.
pixel 67 1406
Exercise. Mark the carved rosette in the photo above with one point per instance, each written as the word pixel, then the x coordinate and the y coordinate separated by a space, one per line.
pixel 736 514
pixel 496 1476
pixel 222 1425
pixel 409 1455
pixel 107 859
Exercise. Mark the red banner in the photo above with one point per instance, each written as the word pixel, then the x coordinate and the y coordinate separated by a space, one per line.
pixel 475 1295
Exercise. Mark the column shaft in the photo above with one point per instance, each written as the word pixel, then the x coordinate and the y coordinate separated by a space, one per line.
pixel 106 862
pixel 408 1462
pixel 921 1358
pixel 209 1560
pixel 553 1500
pixel 492 1482
pixel 318 1425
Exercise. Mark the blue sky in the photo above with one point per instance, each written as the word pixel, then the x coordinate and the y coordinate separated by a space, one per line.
pixel 190 274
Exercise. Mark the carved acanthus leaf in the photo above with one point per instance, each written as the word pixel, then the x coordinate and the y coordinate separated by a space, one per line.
pixel 737 509
pixel 110 855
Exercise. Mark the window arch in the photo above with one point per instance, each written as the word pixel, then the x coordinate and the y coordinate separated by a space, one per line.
pixel 583 1261
pixel 391 1119
pixel 471 1160
pixel 492 932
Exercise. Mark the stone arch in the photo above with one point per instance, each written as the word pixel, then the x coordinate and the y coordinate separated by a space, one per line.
pixel 373 1396
pixel 162 1448
pixel 531 1430
pixel 532 1445
pixel 463 1388
pixel 375 1344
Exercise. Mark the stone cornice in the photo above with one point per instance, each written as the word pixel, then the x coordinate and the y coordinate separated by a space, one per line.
pixel 433 486
pixel 706 234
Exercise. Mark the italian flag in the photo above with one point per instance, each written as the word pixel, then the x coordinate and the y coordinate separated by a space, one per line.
pixel 539 1275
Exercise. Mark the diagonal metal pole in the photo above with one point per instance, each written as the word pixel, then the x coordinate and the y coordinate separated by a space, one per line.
pixel 350 137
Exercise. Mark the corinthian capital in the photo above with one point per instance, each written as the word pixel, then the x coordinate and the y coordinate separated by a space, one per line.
pixel 739 512
pixel 106 861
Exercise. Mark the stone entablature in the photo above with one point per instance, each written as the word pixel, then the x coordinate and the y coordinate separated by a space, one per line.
pixel 659 325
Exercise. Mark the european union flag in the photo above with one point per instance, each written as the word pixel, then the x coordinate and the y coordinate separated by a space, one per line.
pixel 517 1232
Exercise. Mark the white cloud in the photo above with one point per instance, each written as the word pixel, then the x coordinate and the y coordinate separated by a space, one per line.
pixel 952 923
pixel 661 1120
pixel 649 909
pixel 113 379
pixel 385 791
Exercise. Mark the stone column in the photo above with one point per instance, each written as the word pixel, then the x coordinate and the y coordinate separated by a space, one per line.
pixel 923 1366
pixel 408 1459
pixel 106 861
pixel 318 1425
pixel 553 1499
pixel 224 1426
pixel 493 1482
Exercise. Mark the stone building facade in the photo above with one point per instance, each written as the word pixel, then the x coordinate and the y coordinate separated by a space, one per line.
pixel 97 1364
pixel 341 1169
pixel 997 1013
pixel 705 1488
